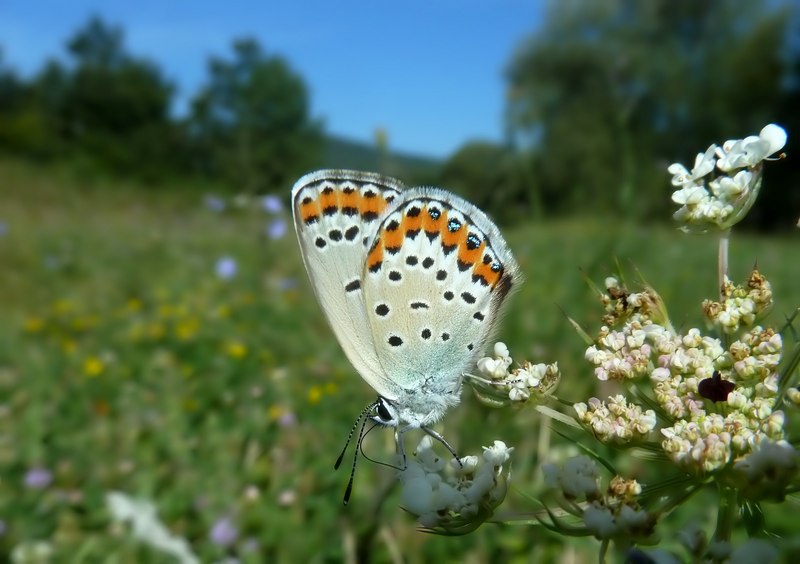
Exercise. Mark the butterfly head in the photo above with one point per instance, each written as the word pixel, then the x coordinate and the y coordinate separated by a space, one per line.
pixel 385 413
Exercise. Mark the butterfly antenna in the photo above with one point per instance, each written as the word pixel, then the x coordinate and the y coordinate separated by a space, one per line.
pixel 353 430
pixel 349 489
pixel 364 454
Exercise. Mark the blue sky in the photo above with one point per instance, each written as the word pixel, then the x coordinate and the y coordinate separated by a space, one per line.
pixel 430 72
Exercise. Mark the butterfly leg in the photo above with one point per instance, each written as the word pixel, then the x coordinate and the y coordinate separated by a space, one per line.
pixel 400 444
pixel 442 440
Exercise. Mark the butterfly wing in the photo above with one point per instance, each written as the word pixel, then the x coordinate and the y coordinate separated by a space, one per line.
pixel 336 214
pixel 436 276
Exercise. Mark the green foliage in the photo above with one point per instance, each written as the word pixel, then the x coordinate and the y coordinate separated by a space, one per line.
pixel 491 177
pixel 609 90
pixel 343 153
pixel 252 120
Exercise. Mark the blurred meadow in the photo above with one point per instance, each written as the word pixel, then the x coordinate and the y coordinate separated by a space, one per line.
pixel 159 338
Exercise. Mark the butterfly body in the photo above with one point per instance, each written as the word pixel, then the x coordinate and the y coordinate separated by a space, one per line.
pixel 411 281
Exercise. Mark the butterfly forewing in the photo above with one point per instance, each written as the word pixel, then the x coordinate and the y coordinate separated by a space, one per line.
pixel 336 216
pixel 435 276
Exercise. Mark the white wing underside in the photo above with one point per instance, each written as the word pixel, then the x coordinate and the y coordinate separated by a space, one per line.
pixel 340 261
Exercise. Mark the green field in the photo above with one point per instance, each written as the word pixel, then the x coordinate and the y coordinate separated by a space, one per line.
pixel 127 364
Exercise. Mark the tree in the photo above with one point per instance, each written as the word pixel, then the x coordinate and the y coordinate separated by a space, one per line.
pixel 251 122
pixel 491 177
pixel 608 91
pixel 114 107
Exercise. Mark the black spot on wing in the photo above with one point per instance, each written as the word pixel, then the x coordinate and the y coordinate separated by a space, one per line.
pixel 351 233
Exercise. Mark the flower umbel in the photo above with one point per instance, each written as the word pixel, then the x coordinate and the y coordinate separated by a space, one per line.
pixel 497 385
pixel 454 498
pixel 740 306
pixel 613 514
pixel 724 182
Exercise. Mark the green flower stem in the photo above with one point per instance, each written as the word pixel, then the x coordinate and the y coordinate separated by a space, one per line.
pixel 601 556
pixel 726 514
pixel 724 239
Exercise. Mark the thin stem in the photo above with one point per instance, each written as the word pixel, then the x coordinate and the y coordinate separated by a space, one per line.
pixel 726 514
pixel 601 557
pixel 722 271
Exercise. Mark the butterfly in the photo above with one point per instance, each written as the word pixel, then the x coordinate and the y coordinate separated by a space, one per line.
pixel 411 281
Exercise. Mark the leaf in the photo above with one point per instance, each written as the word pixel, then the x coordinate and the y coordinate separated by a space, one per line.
pixel 753 517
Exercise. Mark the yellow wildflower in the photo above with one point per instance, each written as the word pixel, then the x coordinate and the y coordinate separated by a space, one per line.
pixel 93 366
pixel 314 395
pixel 63 306
pixel 235 349
pixel 187 328
pixel 34 324
pixel 275 411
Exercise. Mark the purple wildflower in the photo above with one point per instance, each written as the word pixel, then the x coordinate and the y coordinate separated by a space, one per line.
pixel 38 478
pixel 276 229
pixel 272 204
pixel 226 268
pixel 224 532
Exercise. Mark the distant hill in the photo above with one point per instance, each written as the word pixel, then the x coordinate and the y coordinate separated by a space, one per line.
pixel 411 169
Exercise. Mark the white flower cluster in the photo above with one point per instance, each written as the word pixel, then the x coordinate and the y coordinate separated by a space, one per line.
pixel 577 480
pixel 518 385
pixel 615 420
pixel 624 354
pixel 621 304
pixel 458 496
pixel 740 306
pixel 711 199
pixel 722 401
pixel 147 528
pixel 793 396
pixel 726 416
pixel 605 516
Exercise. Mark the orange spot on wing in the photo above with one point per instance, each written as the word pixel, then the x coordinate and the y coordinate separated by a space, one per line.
pixel 485 271
pixel 393 239
pixel 468 256
pixel 372 207
pixel 329 199
pixel 309 210
pixel 375 256
pixel 411 223
pixel 430 224
pixel 349 200
pixel 454 238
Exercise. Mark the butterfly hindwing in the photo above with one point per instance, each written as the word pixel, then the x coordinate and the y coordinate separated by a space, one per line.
pixel 435 276
pixel 336 214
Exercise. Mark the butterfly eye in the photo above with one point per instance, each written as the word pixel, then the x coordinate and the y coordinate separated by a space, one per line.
pixel 383 413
